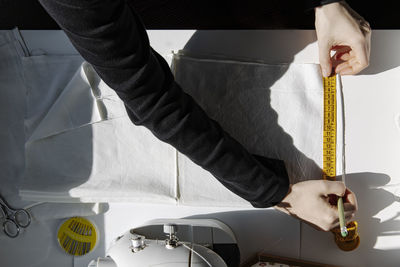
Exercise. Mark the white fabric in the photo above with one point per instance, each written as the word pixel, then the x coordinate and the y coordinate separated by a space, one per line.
pixel 19 74
pixel 86 149
pixel 62 115
pixel 45 78
pixel 12 110
pixel 273 110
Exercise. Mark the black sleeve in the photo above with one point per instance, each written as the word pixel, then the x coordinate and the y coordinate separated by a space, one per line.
pixel 310 4
pixel 111 37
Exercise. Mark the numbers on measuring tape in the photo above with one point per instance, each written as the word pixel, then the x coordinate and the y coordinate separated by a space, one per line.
pixel 329 128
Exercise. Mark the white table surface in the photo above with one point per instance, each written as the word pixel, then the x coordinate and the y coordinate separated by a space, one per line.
pixel 372 105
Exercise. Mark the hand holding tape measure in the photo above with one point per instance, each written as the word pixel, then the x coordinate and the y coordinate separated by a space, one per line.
pixel 346 236
pixel 339 28
pixel 327 204
pixel 309 201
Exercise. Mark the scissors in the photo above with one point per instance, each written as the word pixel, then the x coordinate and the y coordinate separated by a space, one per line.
pixel 15 219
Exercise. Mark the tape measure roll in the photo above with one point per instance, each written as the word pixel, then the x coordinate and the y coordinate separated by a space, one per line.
pixel 352 240
pixel 77 236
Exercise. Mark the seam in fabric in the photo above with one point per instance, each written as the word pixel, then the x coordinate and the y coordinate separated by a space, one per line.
pixel 177 191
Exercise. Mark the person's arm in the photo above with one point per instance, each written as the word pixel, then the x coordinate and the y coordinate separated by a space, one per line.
pixel 311 4
pixel 110 36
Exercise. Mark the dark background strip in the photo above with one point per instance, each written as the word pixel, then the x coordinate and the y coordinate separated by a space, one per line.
pixel 209 14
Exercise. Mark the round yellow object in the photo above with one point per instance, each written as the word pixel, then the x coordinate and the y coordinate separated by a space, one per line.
pixel 351 241
pixel 77 236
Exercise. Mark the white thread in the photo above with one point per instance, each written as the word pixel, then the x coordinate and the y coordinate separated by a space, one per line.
pixel 195 252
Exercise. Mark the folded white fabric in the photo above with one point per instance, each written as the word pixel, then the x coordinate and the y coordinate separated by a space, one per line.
pixel 21 76
pixel 273 110
pixel 12 110
pixel 45 78
pixel 86 149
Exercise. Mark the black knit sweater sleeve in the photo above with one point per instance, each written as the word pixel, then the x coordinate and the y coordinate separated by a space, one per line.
pixel 110 36
pixel 310 4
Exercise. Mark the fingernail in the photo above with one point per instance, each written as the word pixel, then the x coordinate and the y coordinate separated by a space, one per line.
pixel 325 72
pixel 338 68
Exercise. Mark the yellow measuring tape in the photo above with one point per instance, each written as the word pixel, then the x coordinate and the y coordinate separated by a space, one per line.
pixel 352 240
pixel 330 120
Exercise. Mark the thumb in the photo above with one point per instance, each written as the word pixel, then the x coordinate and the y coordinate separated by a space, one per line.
pixel 334 188
pixel 325 58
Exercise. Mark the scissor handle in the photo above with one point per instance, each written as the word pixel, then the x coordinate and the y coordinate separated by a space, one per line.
pixel 11 228
pixel 22 218
pixel 14 219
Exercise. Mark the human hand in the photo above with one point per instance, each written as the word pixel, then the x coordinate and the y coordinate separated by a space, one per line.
pixel 310 202
pixel 341 29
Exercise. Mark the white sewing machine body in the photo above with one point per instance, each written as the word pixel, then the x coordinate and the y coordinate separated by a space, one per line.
pixel 134 249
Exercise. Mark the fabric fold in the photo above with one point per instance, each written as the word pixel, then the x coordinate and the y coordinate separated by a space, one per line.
pixel 75 107
pixel 86 149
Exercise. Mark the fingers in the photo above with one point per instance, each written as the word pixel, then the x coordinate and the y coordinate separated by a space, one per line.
pixel 361 52
pixel 338 26
pixel 349 208
pixel 351 199
pixel 332 218
pixel 350 67
pixel 332 187
pixel 344 57
pixel 349 214
pixel 325 58
pixel 338 188
pixel 309 201
pixel 355 60
pixel 341 52
pixel 341 55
